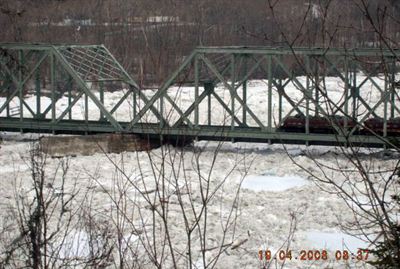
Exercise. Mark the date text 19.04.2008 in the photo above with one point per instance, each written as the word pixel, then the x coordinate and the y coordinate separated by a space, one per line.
pixel 313 255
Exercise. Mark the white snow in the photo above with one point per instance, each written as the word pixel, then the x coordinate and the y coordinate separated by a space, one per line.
pixel 76 245
pixel 335 241
pixel 272 182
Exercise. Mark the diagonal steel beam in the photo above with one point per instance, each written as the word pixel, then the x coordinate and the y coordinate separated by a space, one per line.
pixel 192 107
pixel 68 109
pixel 128 92
pixel 281 90
pixel 367 106
pixel 305 92
pixel 49 107
pixel 183 116
pixel 10 73
pixel 296 107
pixel 251 71
pixel 143 97
pixel 231 113
pixel 383 98
pixel 87 91
pixel 233 93
pixel 20 84
pixel 160 92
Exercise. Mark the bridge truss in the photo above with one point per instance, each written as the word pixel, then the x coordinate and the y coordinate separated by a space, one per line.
pixel 218 93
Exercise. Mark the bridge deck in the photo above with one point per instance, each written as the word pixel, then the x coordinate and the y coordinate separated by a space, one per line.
pixel 203 132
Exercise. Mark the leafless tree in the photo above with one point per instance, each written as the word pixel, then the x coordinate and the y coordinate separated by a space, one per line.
pixel 46 221
pixel 368 188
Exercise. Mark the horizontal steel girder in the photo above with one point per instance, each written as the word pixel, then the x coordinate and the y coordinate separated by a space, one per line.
pixel 214 133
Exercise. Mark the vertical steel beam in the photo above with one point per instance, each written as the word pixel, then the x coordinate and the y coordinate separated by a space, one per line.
pixel 233 79
pixel 270 77
pixel 308 93
pixel 244 88
pixel 86 108
pixel 209 87
pixel 347 86
pixel 317 82
pixel 385 103
pixel 162 110
pixel 20 85
pixel 280 100
pixel 8 97
pixel 134 99
pixel 69 89
pixel 38 93
pixel 53 90
pixel 196 91
pixel 354 93
pixel 101 84
pixel 392 86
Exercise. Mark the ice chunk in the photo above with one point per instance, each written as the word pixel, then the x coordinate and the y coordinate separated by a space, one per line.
pixel 268 182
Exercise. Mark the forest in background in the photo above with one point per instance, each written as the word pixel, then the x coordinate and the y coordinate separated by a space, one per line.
pixel 151 37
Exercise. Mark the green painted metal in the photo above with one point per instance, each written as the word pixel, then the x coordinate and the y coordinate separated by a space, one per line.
pixel 295 84
pixel 244 89
pixel 270 93
pixel 196 92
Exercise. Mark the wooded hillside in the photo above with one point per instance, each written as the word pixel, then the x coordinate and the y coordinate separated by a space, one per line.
pixel 150 37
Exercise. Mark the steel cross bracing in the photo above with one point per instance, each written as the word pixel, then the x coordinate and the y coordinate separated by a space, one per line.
pixel 218 93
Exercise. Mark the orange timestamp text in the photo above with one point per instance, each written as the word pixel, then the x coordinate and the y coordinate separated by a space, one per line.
pixel 313 255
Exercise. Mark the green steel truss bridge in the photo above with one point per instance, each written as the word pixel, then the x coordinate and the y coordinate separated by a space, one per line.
pixel 217 93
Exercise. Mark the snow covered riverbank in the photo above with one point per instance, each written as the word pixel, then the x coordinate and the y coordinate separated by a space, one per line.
pixel 267 199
